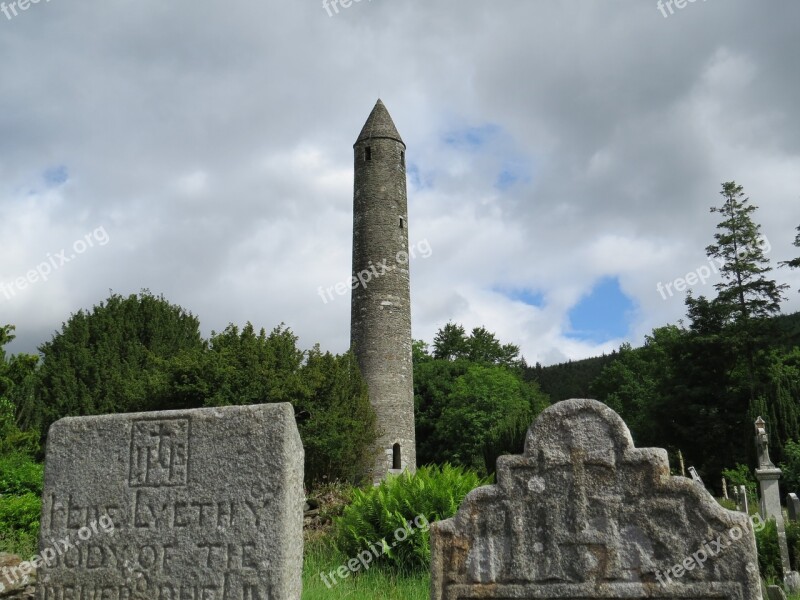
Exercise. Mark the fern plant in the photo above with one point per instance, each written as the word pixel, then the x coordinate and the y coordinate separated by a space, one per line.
pixel 390 522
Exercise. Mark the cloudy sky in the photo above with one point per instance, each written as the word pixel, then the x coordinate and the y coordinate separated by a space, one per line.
pixel 563 156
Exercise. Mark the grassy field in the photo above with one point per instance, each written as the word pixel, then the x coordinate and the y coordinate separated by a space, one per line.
pixel 365 585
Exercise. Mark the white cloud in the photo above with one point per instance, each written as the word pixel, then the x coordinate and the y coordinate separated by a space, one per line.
pixel 220 161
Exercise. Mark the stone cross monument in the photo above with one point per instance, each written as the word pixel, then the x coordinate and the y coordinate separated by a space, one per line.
pixel 380 317
pixel 770 503
pixel 767 475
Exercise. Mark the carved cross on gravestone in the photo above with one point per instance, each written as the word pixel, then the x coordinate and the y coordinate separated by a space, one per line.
pixel 597 534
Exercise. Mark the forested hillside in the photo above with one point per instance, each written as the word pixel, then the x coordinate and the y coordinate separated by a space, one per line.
pixel 572 379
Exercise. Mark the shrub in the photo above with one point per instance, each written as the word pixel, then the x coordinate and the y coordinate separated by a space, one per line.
pixel 793 542
pixel 769 554
pixel 19 474
pixel 791 468
pixel 19 522
pixel 20 442
pixel 741 475
pixel 403 505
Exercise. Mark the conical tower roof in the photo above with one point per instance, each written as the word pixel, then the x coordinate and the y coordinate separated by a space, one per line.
pixel 379 125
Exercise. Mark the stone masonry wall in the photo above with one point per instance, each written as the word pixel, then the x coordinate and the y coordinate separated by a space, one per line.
pixel 380 310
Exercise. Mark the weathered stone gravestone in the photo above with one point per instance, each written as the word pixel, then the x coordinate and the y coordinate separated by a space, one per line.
pixel 775 592
pixel 793 506
pixel 199 504
pixel 695 476
pixel 583 514
pixel 744 506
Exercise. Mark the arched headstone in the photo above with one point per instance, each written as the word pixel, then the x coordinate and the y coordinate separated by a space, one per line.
pixel 583 514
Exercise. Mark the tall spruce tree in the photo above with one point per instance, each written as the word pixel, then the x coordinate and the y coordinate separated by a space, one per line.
pixel 746 298
pixel 745 291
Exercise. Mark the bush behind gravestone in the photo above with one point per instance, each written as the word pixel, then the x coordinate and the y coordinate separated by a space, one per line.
pixel 404 504
pixel 791 467
pixel 742 475
pixel 769 554
pixel 20 474
pixel 19 523
pixel 793 542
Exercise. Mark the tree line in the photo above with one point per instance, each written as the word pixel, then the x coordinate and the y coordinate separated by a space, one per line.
pixel 694 387
pixel 141 353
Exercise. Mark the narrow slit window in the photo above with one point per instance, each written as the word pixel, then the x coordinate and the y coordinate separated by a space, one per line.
pixel 401 222
pixel 403 158
pixel 396 462
pixel 367 153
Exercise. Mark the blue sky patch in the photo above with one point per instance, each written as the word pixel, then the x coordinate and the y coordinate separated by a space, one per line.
pixel 55 176
pixel 506 179
pixel 603 315
pixel 415 178
pixel 524 295
pixel 472 138
pixel 512 173
pixel 500 152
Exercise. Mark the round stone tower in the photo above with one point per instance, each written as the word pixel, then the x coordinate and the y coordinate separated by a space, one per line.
pixel 380 317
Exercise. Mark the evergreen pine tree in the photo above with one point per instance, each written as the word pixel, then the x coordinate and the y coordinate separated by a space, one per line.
pixel 745 291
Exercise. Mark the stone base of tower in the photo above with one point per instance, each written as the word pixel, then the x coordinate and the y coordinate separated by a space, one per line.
pixel 394 459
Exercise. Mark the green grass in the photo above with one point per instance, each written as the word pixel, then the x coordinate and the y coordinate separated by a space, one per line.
pixel 21 543
pixel 364 585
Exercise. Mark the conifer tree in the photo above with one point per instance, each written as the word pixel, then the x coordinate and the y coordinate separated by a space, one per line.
pixel 745 291
pixel 745 296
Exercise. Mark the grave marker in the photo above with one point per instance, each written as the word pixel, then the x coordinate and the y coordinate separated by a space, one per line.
pixel 583 514
pixel 793 506
pixel 770 503
pixel 199 504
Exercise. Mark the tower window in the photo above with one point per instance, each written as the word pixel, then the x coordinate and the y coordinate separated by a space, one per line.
pixel 401 222
pixel 367 153
pixel 403 158
pixel 396 462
